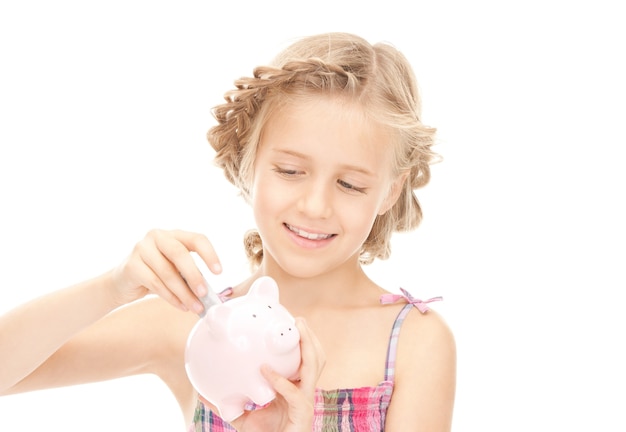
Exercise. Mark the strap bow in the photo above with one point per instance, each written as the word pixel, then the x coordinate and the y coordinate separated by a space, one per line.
pixel 419 304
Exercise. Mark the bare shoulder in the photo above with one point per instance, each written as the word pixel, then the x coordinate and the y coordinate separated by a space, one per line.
pixel 426 332
pixel 425 374
pixel 426 350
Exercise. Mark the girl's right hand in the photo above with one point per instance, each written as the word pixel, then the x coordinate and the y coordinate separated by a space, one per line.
pixel 162 264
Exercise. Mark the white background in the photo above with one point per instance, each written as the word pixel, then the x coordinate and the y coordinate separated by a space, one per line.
pixel 103 111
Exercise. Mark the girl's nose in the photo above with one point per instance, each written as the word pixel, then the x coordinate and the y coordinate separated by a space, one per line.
pixel 316 200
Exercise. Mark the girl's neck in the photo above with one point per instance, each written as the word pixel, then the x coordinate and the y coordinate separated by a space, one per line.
pixel 344 286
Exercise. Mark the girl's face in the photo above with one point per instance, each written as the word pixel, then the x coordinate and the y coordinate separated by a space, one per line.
pixel 322 174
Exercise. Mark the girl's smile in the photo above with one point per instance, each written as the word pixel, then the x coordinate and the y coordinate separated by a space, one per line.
pixel 308 239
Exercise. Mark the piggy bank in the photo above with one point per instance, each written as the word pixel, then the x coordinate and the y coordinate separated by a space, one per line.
pixel 227 346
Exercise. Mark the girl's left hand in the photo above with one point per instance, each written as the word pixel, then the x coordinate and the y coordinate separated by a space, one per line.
pixel 292 409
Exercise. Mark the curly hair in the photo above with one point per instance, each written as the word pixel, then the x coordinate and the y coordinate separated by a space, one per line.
pixel 377 77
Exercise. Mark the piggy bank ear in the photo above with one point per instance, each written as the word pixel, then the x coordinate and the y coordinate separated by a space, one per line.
pixel 264 287
pixel 217 317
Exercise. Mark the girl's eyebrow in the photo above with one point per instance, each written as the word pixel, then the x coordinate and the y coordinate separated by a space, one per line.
pixel 346 167
pixel 290 153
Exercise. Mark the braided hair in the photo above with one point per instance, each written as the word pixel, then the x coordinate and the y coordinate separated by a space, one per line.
pixel 377 77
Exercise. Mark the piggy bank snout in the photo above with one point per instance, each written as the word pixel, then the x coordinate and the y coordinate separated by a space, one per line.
pixel 282 337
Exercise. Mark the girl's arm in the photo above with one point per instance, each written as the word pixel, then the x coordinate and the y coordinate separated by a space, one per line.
pixel 423 396
pixel 53 341
pixel 30 333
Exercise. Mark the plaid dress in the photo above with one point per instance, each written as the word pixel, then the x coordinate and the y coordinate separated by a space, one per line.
pixel 356 410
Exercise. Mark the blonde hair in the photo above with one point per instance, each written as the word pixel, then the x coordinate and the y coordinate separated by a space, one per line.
pixel 376 77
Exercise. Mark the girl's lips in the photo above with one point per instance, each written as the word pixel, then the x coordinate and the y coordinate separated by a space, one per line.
pixel 308 235
pixel 308 240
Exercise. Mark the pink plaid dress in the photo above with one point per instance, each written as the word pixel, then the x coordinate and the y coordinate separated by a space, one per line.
pixel 356 410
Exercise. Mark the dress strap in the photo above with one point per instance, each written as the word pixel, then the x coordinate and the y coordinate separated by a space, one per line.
pixel 392 348
pixel 390 365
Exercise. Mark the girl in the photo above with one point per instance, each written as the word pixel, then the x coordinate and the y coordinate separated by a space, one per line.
pixel 327 146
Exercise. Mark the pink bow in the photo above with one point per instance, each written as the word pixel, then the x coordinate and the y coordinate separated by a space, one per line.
pixel 419 304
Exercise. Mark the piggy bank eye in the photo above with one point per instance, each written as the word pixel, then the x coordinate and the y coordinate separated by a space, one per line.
pixel 269 306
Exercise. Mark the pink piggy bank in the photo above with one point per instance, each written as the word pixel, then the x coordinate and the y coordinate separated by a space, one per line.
pixel 227 347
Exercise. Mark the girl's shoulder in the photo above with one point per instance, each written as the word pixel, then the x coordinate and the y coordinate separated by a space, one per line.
pixel 424 330
pixel 427 330
pixel 418 319
pixel 425 371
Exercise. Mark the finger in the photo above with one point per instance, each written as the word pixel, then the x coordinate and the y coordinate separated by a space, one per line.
pixel 155 285
pixel 163 259
pixel 200 244
pixel 180 247
pixel 300 411
pixel 280 384
pixel 313 357
pixel 142 276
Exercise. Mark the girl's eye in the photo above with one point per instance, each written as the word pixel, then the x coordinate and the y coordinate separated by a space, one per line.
pixel 285 172
pixel 350 187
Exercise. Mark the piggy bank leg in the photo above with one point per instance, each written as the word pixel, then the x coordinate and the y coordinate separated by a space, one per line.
pixel 262 394
pixel 231 407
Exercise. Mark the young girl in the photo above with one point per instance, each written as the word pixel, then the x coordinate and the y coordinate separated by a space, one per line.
pixel 327 146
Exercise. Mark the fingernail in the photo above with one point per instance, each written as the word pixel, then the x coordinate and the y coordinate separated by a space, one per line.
pixel 197 307
pixel 216 267
pixel 202 290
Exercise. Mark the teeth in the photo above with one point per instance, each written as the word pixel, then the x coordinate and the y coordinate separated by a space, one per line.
pixel 308 235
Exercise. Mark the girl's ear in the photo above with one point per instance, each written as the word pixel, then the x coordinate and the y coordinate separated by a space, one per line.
pixel 393 194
